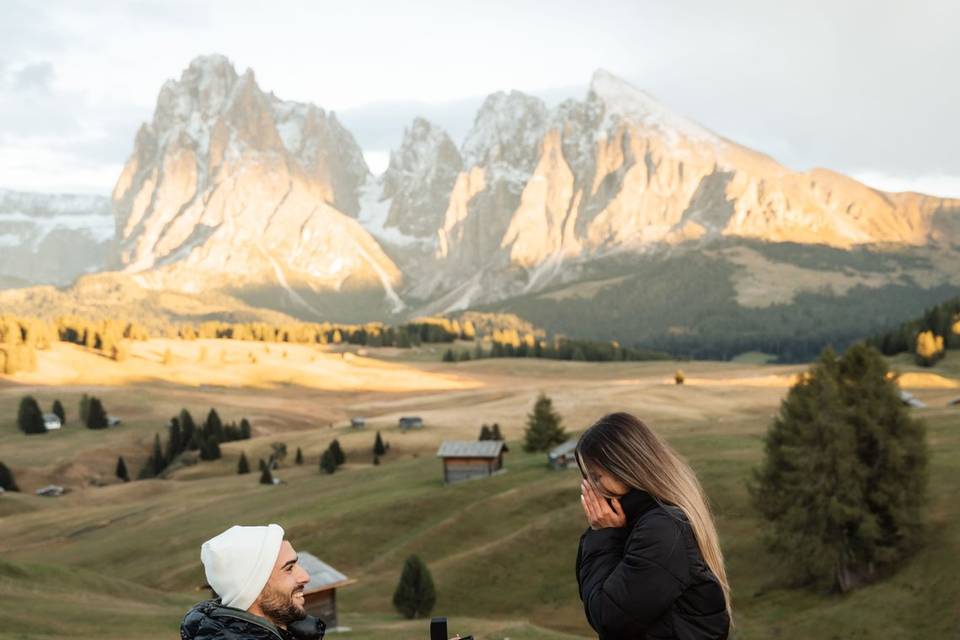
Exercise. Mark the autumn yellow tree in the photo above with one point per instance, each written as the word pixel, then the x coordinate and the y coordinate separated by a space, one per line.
pixel 929 348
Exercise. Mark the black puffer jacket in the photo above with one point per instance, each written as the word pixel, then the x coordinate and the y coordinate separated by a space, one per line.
pixel 210 620
pixel 648 580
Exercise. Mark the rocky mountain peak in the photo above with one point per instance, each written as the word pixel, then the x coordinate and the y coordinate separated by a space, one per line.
pixel 419 179
pixel 621 101
pixel 229 183
pixel 507 127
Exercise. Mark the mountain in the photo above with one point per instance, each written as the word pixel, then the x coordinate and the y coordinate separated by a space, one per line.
pixel 610 217
pixel 52 239
pixel 232 189
pixel 541 193
pixel 419 179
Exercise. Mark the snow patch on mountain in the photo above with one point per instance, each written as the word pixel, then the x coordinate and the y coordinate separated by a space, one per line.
pixel 623 101
pixel 506 134
pixel 53 238
pixel 374 211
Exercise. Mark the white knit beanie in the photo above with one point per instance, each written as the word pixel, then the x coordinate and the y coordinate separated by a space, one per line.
pixel 239 561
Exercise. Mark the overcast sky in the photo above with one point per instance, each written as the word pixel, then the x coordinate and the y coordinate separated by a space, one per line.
pixel 868 88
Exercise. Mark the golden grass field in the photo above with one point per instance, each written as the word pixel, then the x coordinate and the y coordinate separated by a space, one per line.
pixel 114 560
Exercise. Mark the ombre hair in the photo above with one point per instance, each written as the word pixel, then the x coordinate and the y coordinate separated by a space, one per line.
pixel 628 450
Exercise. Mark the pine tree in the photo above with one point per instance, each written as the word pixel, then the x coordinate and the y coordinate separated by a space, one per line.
pixel 843 481
pixel 189 431
pixel 415 594
pixel 328 463
pixel 378 448
pixel 448 356
pixel 245 429
pixel 243 466
pixel 263 464
pixel 58 411
pixel 7 481
pixel 266 477
pixel 497 435
pixel 96 414
pixel 175 443
pixel 210 450
pixel 299 458
pixel 157 459
pixel 485 433
pixel 213 427
pixel 376 460
pixel 543 426
pixel 338 455
pixel 84 408
pixel 29 417
pixel 122 472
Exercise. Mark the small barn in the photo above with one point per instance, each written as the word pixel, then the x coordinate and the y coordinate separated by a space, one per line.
pixel 113 421
pixel 320 594
pixel 563 456
pixel 465 460
pixel 51 421
pixel 411 422
pixel 358 423
pixel 910 400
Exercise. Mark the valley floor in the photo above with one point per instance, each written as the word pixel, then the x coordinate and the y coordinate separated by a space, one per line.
pixel 122 560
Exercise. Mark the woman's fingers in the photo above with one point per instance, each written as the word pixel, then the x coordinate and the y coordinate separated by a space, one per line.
pixel 621 517
pixel 587 502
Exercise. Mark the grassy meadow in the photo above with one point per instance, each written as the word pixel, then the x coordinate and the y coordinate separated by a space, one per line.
pixel 113 560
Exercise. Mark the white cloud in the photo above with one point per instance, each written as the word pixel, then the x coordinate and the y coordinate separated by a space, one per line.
pixel 850 85
pixel 935 185
pixel 377 159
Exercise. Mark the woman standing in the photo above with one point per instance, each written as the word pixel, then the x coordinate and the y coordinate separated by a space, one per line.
pixel 650 564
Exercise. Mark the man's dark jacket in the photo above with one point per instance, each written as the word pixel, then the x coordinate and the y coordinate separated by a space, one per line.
pixel 648 579
pixel 210 620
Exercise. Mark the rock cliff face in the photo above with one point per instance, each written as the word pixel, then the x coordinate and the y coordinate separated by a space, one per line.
pixel 419 180
pixel 229 187
pixel 620 172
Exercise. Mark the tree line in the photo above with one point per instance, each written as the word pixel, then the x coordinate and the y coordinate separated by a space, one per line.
pixel 928 337
pixel 509 344
pixel 183 434
pixel 30 418
pixel 20 337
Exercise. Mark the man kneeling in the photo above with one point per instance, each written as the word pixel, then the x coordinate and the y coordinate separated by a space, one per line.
pixel 255 573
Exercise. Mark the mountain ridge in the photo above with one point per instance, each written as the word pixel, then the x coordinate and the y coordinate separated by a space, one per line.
pixel 230 189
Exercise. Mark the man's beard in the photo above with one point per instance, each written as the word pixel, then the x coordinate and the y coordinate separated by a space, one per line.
pixel 280 608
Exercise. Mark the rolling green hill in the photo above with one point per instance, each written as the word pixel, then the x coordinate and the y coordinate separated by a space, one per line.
pixel 785 299
pixel 122 561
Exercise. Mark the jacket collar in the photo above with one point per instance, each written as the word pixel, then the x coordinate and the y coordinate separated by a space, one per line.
pixel 222 611
pixel 636 503
pixel 310 628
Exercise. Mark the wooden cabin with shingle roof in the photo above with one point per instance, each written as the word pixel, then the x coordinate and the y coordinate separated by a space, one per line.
pixel 465 460
pixel 320 594
pixel 563 456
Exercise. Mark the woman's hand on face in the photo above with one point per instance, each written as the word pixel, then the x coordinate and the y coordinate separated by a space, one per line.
pixel 600 514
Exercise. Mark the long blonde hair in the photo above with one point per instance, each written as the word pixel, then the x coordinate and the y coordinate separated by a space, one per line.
pixel 626 448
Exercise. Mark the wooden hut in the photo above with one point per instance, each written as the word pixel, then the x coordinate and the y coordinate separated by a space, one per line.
pixel 464 460
pixel 410 422
pixel 320 594
pixel 563 456
pixel 910 400
pixel 358 423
